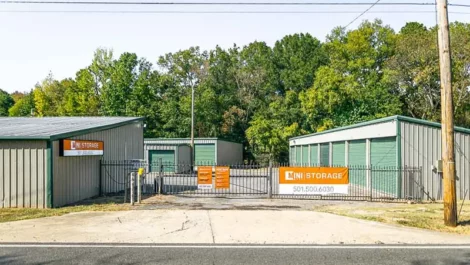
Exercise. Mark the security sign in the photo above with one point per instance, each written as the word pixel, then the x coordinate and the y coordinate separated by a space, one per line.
pixel 204 178
pixel 222 177
pixel 313 180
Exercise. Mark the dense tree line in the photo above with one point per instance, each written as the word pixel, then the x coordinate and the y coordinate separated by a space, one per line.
pixel 261 95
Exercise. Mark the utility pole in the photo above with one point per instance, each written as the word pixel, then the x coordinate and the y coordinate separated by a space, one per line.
pixel 447 116
pixel 192 127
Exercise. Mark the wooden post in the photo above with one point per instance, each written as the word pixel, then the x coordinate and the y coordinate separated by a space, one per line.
pixel 447 116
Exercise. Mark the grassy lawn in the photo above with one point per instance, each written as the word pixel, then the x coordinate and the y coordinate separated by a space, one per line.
pixel 424 215
pixel 100 204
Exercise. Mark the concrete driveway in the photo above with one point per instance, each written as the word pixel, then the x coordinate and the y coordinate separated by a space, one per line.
pixel 216 226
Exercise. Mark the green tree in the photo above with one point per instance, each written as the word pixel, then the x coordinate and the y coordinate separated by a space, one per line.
pixel 460 45
pixel 116 92
pixel 24 106
pixel 183 71
pixel 413 72
pixel 6 102
pixel 17 95
pixel 351 88
pixel 270 130
pixel 48 97
pixel 297 58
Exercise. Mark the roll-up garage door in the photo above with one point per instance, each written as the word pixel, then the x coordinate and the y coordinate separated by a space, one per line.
pixel 314 155
pixel 304 155
pixel 357 162
pixel 383 158
pixel 298 156
pixel 338 154
pixel 167 158
pixel 204 154
pixel 325 155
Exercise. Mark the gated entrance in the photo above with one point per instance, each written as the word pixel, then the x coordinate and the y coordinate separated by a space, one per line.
pixel 365 183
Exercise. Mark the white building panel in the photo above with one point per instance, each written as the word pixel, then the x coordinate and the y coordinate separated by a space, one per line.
pixel 385 129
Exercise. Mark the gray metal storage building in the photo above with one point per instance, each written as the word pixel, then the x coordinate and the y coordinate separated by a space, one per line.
pixel 33 172
pixel 394 142
pixel 208 151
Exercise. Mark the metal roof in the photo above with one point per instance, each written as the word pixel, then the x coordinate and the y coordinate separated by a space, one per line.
pixel 386 119
pixel 184 140
pixel 51 128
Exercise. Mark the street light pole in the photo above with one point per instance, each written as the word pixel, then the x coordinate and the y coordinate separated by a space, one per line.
pixel 192 126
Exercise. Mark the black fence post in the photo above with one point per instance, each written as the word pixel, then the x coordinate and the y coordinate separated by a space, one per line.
pixel 101 179
pixel 270 180
pixel 370 181
pixel 160 176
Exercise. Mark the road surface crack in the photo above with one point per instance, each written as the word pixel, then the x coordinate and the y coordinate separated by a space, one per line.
pixel 183 227
pixel 212 230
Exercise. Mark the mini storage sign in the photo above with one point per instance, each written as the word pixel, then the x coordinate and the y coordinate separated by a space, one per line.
pixel 313 180
pixel 81 148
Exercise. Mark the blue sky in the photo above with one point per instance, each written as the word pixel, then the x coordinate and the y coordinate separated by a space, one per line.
pixel 34 44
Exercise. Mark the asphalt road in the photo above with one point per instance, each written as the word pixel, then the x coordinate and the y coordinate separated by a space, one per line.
pixel 238 254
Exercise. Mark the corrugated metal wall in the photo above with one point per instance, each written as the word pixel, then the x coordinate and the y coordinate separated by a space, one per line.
pixel 23 174
pixel 184 154
pixel 229 153
pixel 78 178
pixel 421 147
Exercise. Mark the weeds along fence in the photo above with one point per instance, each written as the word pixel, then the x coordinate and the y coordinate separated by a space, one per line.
pixel 258 180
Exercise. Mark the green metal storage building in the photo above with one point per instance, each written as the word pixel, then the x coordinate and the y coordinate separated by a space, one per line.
pixel 208 151
pixel 393 142
pixel 34 172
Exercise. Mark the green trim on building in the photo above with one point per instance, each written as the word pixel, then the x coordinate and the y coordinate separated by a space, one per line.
pixel 430 124
pixel 383 120
pixel 399 165
pixel 50 177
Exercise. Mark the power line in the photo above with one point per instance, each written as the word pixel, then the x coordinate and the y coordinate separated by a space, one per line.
pixel 216 12
pixel 217 3
pixel 459 5
pixel 360 15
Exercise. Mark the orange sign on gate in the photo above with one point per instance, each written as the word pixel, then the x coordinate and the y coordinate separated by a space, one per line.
pixel 204 175
pixel 222 177
pixel 204 178
pixel 314 175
